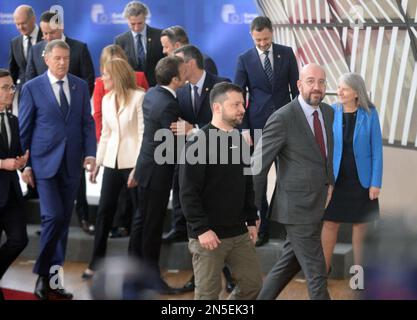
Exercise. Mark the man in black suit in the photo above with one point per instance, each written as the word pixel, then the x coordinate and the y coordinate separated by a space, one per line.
pixel 81 64
pixel 12 217
pixel 141 43
pixel 152 172
pixel 25 21
pixel 175 37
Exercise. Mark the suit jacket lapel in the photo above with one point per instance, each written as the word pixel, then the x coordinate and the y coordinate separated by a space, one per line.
pixel 303 123
pixel 277 63
pixel 328 125
pixel 131 44
pixel 360 117
pixel 20 49
pixel 208 84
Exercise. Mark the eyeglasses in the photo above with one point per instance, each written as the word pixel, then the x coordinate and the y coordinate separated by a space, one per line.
pixel 7 88
pixel 311 82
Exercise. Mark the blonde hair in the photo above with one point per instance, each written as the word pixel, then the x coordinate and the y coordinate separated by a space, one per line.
pixel 111 52
pixel 123 77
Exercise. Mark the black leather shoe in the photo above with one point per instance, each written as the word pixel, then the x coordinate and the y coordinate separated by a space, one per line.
pixel 165 289
pixel 119 232
pixel 1 295
pixel 59 294
pixel 42 288
pixel 174 236
pixel 230 285
pixel 262 239
pixel 188 287
pixel 87 227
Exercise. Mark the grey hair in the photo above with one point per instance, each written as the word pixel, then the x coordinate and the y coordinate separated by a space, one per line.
pixel 356 82
pixel 56 43
pixel 134 9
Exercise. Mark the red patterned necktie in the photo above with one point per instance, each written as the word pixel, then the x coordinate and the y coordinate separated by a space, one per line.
pixel 318 133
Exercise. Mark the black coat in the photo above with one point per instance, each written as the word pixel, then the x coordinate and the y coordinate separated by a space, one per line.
pixel 81 64
pixel 153 51
pixel 160 109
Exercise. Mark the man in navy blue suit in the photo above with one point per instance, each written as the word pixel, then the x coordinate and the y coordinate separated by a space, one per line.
pixel 175 37
pixel 81 64
pixel 154 177
pixel 268 73
pixel 56 126
pixel 12 216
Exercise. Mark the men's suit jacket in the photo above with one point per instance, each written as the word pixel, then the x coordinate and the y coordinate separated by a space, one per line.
pixel 160 109
pixel 10 179
pixel 303 175
pixel 153 51
pixel 264 97
pixel 122 133
pixel 367 145
pixel 81 64
pixel 17 61
pixel 204 113
pixel 50 136
pixel 209 64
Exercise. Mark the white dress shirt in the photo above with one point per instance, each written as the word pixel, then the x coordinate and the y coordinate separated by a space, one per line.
pixel 55 87
pixel 143 39
pixel 170 90
pixel 34 37
pixel 270 56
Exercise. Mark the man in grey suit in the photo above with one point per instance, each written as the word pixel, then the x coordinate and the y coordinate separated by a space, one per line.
pixel 299 138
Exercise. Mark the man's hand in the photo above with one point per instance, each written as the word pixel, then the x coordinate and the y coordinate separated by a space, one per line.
pixel 27 177
pixel 22 160
pixel 181 127
pixel 94 173
pixel 253 233
pixel 374 193
pixel 10 164
pixel 90 164
pixel 247 137
pixel 131 181
pixel 329 195
pixel 209 240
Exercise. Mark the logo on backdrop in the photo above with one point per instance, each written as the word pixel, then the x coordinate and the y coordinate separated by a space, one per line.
pixel 231 16
pixel 99 15
pixel 6 18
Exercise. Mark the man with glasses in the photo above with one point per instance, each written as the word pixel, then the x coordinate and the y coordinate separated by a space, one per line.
pixel 299 138
pixel 12 158
pixel 268 73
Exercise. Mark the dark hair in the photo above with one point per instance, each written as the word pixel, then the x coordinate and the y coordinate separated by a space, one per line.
pixel 191 52
pixel 175 34
pixel 4 73
pixel 260 23
pixel 168 68
pixel 47 16
pixel 218 93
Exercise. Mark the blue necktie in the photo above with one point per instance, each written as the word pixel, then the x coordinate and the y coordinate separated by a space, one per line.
pixel 196 99
pixel 268 67
pixel 63 98
pixel 140 52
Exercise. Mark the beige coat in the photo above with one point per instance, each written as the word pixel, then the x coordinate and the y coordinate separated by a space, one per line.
pixel 121 136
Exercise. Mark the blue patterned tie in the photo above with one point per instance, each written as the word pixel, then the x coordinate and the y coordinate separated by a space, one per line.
pixel 268 67
pixel 140 52
pixel 63 98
